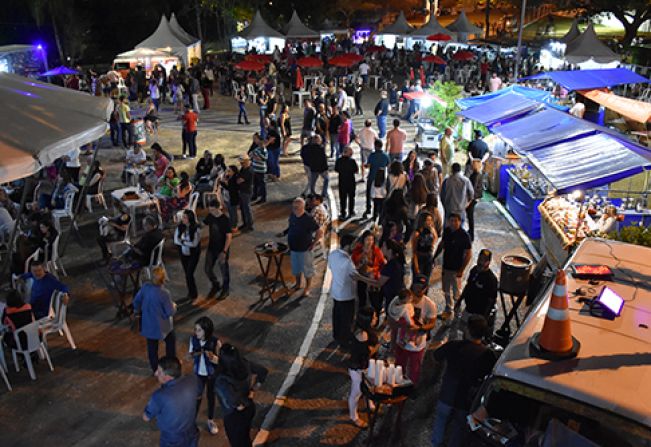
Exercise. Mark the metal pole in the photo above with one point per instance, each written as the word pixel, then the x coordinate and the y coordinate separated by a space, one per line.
pixel 516 70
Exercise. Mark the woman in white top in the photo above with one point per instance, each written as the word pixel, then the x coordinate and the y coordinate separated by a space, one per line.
pixel 397 178
pixel 188 237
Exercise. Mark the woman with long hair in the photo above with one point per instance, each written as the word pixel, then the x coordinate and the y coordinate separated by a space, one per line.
pixel 368 259
pixel 235 382
pixel 188 238
pixel 363 345
pixel 411 165
pixel 285 123
pixel 391 279
pixel 395 210
pixel 423 243
pixel 397 180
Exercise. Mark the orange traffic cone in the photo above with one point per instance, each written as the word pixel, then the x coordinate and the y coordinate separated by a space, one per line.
pixel 555 341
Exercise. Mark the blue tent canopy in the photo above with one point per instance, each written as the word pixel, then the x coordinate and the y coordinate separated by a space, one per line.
pixel 603 160
pixel 591 79
pixel 61 70
pixel 531 93
pixel 501 108
pixel 542 128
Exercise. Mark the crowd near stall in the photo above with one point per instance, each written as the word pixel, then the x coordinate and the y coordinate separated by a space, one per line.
pixel 419 128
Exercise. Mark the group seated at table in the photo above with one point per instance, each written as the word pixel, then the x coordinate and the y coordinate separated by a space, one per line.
pixel 173 192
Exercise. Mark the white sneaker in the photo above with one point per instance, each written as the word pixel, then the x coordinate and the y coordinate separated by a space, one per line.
pixel 212 427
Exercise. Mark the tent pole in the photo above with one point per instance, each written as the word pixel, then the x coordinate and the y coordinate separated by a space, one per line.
pixel 516 70
pixel 80 203
pixel 12 238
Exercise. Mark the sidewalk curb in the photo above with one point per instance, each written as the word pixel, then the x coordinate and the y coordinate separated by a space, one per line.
pixel 533 251
pixel 262 436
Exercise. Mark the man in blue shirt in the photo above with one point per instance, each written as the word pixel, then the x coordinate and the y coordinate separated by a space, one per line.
pixel 174 405
pixel 376 161
pixel 43 286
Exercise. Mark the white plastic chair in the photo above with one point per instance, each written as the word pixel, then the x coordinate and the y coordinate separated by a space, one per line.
pixel 67 211
pixel 34 344
pixel 58 322
pixel 235 87
pixel 3 364
pixel 34 256
pixel 192 203
pixel 213 193
pixel 156 258
pixel 55 265
pixel 250 92
pixel 52 309
pixel 99 197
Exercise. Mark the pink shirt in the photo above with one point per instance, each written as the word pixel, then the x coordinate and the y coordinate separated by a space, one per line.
pixel 343 135
pixel 396 140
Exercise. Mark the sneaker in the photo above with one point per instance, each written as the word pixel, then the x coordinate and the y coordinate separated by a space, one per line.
pixel 222 296
pixel 212 427
pixel 213 290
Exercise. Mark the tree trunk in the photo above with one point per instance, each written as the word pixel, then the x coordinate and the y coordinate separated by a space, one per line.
pixel 57 37
pixel 197 14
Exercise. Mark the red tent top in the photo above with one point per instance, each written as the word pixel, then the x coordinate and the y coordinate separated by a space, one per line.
pixel 439 37
pixel 433 59
pixel 249 66
pixel 309 62
pixel 342 61
pixel 463 56
pixel 262 58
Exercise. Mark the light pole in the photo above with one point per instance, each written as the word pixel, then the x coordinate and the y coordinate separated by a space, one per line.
pixel 516 70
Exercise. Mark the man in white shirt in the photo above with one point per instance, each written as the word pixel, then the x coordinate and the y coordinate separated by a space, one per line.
pixel 363 71
pixel 342 289
pixel 136 156
pixel 73 165
pixel 366 140
pixel 342 98
pixel 495 83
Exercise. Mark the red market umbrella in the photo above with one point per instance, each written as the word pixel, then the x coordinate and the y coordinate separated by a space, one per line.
pixel 249 66
pixel 340 61
pixel 309 62
pixel 463 56
pixel 439 37
pixel 262 58
pixel 424 97
pixel 433 59
pixel 353 57
pixel 299 84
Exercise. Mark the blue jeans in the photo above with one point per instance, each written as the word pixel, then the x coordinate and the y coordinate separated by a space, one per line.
pixel 395 157
pixel 273 161
pixel 263 114
pixel 211 258
pixel 334 147
pixel 259 187
pixel 190 140
pixel 444 413
pixel 242 113
pixel 314 176
pixel 180 440
pixel 152 349
pixel 382 125
pixel 116 134
pixel 245 209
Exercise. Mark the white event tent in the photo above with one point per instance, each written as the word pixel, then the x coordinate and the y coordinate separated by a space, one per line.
pixel 464 28
pixel 258 35
pixel 42 122
pixel 588 52
pixel 431 27
pixel 173 39
pixel 296 29
pixel 393 35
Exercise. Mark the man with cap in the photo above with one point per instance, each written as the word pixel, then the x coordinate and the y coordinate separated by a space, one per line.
pixel 480 293
pixel 410 350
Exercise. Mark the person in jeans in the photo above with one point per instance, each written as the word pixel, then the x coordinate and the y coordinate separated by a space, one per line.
pixel 259 157
pixel 342 289
pixel 347 168
pixel 381 113
pixel 156 308
pixel 457 251
pixel 457 193
pixel 219 243
pixel 189 133
pixel 245 183
pixel 318 163
pixel 467 361
pixel 174 404
pixel 376 161
pixel 231 193
pixel 303 232
pixel 204 346
pixel 124 118
pixel 240 96
pixel 188 238
pixel 333 130
pixel 366 139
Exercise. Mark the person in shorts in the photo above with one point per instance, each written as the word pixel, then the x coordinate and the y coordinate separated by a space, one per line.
pixel 366 140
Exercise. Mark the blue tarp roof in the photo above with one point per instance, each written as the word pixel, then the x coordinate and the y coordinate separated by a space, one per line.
pixel 501 108
pixel 588 162
pixel 542 128
pixel 591 79
pixel 531 93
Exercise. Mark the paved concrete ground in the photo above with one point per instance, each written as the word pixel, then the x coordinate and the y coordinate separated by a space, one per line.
pixel 96 394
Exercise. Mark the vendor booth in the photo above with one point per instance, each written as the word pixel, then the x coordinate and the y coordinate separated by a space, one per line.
pixel 258 36
pixel 145 57
pixel 420 35
pixel 464 29
pixel 165 38
pixel 24 60
pixel 559 161
pixel 330 30
pixel 394 35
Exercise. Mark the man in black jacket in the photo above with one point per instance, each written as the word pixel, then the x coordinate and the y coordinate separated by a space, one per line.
pixel 314 157
pixel 480 292
pixel 346 167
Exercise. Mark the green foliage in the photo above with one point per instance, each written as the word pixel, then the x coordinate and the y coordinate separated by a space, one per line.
pixel 445 116
pixel 633 235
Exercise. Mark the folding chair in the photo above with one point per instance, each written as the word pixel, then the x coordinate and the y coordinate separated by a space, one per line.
pixel 34 344
pixel 99 197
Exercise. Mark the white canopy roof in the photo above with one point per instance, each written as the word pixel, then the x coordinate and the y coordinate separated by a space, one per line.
pixel 259 28
pixel 431 27
pixel 399 27
pixel 177 29
pixel 572 33
pixel 463 25
pixel 144 52
pixel 163 37
pixel 41 122
pixel 588 47
pixel 296 29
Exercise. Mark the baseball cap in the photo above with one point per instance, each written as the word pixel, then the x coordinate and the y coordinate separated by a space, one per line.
pixel 486 254
pixel 419 282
